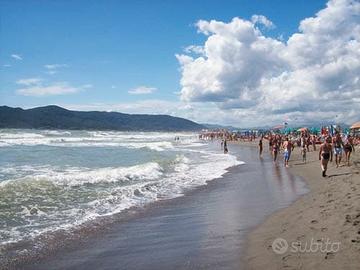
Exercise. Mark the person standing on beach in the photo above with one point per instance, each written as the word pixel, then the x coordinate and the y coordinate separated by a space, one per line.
pixel 225 147
pixel 275 149
pixel 303 153
pixel 348 147
pixel 287 146
pixel 338 145
pixel 270 142
pixel 260 146
pixel 325 153
pixel 313 141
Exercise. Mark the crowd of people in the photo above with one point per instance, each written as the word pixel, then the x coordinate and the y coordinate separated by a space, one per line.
pixel 329 145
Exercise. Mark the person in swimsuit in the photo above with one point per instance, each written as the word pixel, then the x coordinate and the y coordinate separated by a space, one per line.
pixel 348 147
pixel 270 142
pixel 260 145
pixel 287 146
pixel 303 153
pixel 275 149
pixel 338 145
pixel 225 147
pixel 313 141
pixel 325 154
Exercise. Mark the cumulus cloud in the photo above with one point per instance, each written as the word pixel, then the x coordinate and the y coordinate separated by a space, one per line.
pixel 37 88
pixel 261 19
pixel 194 49
pixel 313 74
pixel 16 57
pixel 142 90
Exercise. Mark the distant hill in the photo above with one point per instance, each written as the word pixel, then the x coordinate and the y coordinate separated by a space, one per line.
pixel 54 117
pixel 215 126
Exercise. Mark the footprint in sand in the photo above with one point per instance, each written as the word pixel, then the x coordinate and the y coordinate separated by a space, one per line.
pixel 314 221
pixel 324 229
pixel 329 255
pixel 355 240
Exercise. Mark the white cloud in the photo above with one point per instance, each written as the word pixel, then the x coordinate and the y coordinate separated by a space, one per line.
pixel 53 68
pixel 16 57
pixel 37 88
pixel 261 19
pixel 314 75
pixel 142 90
pixel 29 81
pixel 194 49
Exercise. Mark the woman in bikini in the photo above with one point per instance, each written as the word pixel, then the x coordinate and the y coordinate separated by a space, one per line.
pixel 325 153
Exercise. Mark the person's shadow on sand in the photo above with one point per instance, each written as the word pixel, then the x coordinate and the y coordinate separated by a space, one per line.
pixel 339 174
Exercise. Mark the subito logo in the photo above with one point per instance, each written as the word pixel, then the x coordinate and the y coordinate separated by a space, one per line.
pixel 280 246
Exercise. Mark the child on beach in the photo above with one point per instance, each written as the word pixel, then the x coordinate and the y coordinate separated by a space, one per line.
pixel 303 153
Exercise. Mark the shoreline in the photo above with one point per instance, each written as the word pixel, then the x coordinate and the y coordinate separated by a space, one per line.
pixel 328 213
pixel 205 227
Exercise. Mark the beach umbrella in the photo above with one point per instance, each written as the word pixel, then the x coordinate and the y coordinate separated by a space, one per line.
pixel 303 129
pixel 278 127
pixel 355 125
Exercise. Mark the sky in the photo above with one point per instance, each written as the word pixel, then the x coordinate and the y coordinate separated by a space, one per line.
pixel 233 62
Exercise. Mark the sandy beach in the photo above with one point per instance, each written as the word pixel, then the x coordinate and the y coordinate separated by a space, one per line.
pixel 329 213
pixel 231 223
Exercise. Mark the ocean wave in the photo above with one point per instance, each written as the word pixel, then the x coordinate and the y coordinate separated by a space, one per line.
pixel 75 176
pixel 41 198
pixel 84 142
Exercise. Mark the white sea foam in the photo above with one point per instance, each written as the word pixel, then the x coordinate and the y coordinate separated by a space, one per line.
pixel 75 176
pixel 50 197
pixel 60 141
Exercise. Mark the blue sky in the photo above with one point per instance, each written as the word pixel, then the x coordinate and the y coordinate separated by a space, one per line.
pixel 95 54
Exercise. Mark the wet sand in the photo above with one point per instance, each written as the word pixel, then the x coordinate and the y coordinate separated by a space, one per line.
pixel 330 212
pixel 206 228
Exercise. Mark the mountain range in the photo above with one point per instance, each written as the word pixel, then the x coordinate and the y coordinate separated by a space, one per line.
pixel 55 117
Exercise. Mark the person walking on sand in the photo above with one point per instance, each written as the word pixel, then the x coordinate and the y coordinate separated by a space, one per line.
pixel 287 146
pixel 338 145
pixel 260 146
pixel 348 147
pixel 325 154
pixel 303 153
pixel 275 149
pixel 270 142
pixel 313 141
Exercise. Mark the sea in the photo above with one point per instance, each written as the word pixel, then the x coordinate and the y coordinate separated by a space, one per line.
pixel 53 180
